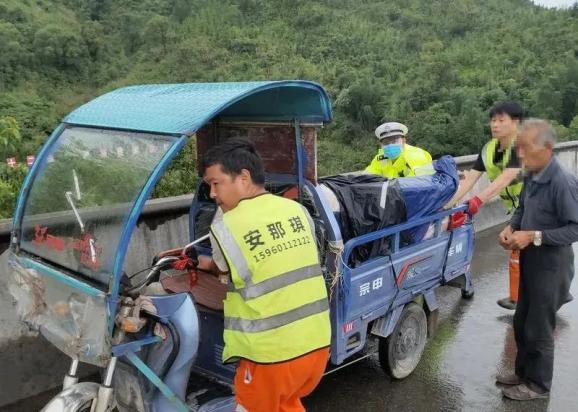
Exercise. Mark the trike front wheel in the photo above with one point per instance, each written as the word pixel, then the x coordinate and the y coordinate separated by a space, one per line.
pixel 77 398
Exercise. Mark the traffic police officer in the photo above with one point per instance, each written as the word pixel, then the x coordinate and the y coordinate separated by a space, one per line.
pixel 396 158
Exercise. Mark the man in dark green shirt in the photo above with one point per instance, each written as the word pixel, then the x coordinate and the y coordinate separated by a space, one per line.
pixel 543 228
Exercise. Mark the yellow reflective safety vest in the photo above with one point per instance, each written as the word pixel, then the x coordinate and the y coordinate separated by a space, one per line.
pixel 277 307
pixel 510 195
pixel 413 161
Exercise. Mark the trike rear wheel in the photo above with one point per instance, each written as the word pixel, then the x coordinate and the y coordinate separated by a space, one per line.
pixel 401 351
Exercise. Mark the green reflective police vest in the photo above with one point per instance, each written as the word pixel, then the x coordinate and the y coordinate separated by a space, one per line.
pixel 413 161
pixel 277 307
pixel 510 194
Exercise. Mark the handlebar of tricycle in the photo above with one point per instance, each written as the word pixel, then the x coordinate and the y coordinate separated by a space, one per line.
pixel 167 260
pixel 351 244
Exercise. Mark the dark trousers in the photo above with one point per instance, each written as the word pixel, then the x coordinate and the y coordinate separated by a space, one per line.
pixel 545 276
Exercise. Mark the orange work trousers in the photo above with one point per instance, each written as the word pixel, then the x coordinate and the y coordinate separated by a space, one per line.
pixel 278 387
pixel 514 275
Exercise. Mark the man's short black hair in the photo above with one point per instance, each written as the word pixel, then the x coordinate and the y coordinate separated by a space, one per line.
pixel 512 109
pixel 234 155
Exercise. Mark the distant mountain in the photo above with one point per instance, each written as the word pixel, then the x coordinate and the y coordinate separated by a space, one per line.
pixel 434 65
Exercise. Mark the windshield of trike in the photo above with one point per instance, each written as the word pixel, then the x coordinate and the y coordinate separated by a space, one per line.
pixel 83 192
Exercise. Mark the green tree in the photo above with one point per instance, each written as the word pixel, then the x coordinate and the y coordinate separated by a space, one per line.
pixel 11 50
pixel 60 47
pixel 156 32
pixel 9 136
pixel 97 9
pixel 573 129
pixel 10 181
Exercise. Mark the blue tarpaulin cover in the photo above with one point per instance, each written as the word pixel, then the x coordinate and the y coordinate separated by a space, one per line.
pixel 424 195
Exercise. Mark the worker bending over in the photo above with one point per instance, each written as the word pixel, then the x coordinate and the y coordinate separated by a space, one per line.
pixel 276 311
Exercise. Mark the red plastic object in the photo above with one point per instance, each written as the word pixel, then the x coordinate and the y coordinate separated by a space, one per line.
pixel 474 205
pixel 456 220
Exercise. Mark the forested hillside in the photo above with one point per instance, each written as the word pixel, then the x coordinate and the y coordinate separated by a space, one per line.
pixel 436 65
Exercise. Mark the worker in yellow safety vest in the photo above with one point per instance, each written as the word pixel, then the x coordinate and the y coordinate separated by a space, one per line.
pixel 396 158
pixel 499 160
pixel 276 312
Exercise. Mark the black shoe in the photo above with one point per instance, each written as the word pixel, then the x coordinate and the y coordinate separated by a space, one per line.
pixel 569 298
pixel 507 303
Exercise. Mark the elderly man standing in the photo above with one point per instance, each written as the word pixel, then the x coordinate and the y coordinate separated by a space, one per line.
pixel 543 228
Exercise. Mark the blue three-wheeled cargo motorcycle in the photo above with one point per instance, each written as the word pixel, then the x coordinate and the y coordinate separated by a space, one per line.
pixel 76 268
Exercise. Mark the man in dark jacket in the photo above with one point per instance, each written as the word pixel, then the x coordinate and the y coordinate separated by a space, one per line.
pixel 543 228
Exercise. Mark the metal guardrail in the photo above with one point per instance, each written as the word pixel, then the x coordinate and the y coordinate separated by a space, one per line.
pixel 465 162
pixel 168 205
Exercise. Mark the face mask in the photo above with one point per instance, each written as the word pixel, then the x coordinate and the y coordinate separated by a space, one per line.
pixel 392 151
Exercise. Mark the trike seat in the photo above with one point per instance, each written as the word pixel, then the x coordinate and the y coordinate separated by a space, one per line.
pixel 208 291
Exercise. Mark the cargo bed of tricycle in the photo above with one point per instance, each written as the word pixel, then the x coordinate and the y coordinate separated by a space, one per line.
pixel 368 298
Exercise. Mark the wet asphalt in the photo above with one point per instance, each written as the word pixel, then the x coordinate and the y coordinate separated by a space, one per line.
pixel 474 341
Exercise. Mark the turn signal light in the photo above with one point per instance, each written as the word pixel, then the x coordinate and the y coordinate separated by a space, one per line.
pixel 131 325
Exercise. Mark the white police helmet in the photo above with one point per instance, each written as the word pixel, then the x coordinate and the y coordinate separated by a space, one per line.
pixel 390 129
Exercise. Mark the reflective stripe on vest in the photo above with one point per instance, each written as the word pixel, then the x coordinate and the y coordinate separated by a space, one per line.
pixel 273 322
pixel 510 194
pixel 251 291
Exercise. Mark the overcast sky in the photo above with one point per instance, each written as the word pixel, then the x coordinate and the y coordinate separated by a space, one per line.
pixel 555 3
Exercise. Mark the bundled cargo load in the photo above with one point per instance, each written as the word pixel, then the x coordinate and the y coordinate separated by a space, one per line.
pixel 364 203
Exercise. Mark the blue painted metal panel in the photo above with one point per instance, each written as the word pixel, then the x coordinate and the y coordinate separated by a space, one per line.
pixel 372 286
pixel 460 252
pixel 420 262
pixel 181 312
pixel 185 108
pixel 209 360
